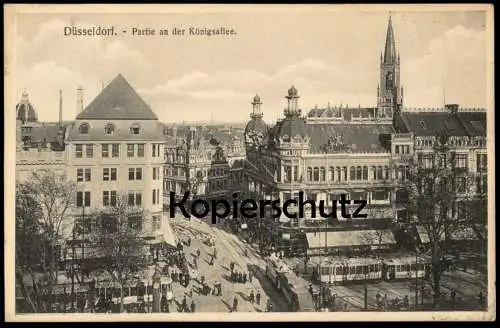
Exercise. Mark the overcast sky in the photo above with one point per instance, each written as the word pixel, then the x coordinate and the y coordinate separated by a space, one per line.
pixel 330 56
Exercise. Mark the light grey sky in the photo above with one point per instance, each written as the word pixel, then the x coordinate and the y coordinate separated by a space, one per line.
pixel 330 57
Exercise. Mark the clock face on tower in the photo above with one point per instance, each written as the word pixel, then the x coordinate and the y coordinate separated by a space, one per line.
pixel 156 285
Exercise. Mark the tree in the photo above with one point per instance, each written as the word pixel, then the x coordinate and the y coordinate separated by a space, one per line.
pixel 42 209
pixel 431 191
pixel 117 237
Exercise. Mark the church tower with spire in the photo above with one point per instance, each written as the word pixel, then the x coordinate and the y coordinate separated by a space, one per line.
pixel 389 91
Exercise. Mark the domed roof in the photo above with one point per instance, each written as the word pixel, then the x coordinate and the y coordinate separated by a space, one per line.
pixel 25 111
pixel 292 92
pixel 256 99
pixel 291 128
pixel 257 125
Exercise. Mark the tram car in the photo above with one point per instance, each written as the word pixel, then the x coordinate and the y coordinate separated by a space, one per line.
pixel 342 270
pixel 142 292
pixel 404 266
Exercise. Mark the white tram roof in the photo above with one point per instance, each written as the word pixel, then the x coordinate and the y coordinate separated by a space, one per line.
pixel 340 260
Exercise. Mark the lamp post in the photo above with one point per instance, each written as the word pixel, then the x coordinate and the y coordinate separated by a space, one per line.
pixel 416 272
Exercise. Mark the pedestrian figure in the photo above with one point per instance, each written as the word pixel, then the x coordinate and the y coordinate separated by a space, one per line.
pixel 345 306
pixel 252 297
pixel 240 277
pixel 257 298
pixel 334 297
pixel 481 299
pixel 269 306
pixel 193 307
pixel 453 296
pixel 202 279
pixel 406 302
pixel 250 276
pixel 219 289
pixel 215 253
pixel 184 303
pixel 189 241
pixel 244 278
pixel 198 253
pixel 191 291
pixel 195 263
pixel 211 261
pixel 235 304
pixel 232 266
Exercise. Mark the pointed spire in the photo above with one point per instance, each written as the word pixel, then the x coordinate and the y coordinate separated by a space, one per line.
pixel 390 45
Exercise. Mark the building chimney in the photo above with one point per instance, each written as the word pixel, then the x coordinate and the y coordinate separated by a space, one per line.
pixel 79 100
pixel 174 132
pixel 60 107
pixel 452 108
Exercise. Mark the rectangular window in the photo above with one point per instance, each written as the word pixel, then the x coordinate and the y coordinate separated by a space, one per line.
pixel 156 222
pixel 115 149
pixel 83 175
pixel 109 174
pixel 482 162
pixel 130 150
pixel 140 150
pixel 396 149
pixel 155 173
pixel 461 161
pixel 79 151
pixel 105 150
pixel 131 174
pixel 138 173
pixel 105 198
pixel 89 150
pixel 83 198
pixel 79 175
pixel 134 199
pixel 154 196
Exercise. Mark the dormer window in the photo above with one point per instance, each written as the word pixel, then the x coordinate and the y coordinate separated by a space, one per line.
pixel 135 129
pixel 84 128
pixel 109 129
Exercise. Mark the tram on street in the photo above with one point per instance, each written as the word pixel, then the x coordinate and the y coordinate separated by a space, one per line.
pixel 142 292
pixel 398 266
pixel 292 288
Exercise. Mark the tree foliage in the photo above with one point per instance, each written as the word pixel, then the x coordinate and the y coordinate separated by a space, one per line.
pixel 42 214
pixel 117 238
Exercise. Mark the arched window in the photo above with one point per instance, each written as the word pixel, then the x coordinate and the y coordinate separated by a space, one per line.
pixel 365 172
pixel 352 174
pixel 135 129
pixel 316 174
pixel 339 173
pixel 359 173
pixel 84 128
pixel 344 173
pixel 322 175
pixel 309 174
pixel 380 173
pixel 109 129
pixel 386 171
pixel 331 175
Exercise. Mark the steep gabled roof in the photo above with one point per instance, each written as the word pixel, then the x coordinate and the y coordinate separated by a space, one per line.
pixel 433 124
pixel 118 101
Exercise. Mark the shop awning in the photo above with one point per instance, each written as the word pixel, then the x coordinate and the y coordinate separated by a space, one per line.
pixel 350 238
pixel 168 233
pixel 423 235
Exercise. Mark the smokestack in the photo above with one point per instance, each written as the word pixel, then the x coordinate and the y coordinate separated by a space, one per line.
pixel 60 107
pixel 79 100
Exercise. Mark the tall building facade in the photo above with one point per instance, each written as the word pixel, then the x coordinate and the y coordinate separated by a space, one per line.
pixel 362 153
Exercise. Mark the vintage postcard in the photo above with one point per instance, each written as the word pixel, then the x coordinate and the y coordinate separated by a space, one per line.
pixel 249 162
